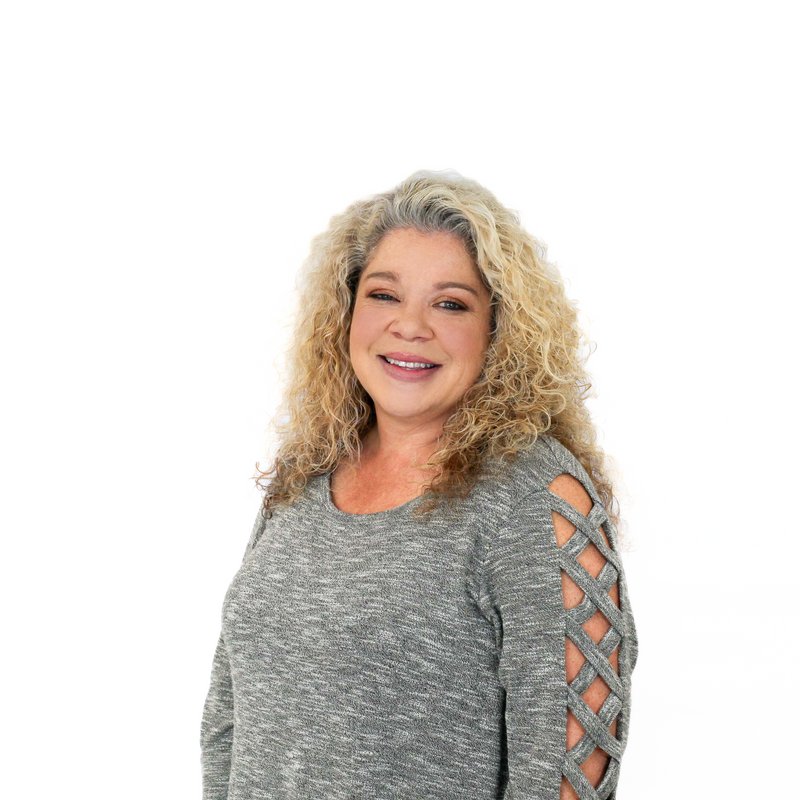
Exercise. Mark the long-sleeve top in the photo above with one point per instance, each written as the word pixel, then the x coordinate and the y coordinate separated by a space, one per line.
pixel 383 656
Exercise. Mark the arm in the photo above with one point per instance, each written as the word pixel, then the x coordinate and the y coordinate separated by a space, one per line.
pixel 568 641
pixel 596 626
pixel 216 727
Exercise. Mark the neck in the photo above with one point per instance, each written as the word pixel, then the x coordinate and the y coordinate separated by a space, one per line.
pixel 401 447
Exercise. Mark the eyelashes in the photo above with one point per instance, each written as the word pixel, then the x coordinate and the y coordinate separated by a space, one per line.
pixel 458 306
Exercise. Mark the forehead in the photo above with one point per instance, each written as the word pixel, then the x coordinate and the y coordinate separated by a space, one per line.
pixel 408 250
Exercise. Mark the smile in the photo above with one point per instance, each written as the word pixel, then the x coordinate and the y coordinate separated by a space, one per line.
pixel 409 364
pixel 408 371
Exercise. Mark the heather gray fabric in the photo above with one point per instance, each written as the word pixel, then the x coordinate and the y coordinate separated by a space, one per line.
pixel 377 656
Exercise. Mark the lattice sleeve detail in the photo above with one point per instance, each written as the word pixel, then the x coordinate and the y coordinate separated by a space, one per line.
pixel 620 636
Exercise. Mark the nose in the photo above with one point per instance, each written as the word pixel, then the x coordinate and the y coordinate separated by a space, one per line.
pixel 410 322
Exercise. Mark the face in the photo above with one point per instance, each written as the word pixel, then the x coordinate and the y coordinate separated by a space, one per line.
pixel 419 300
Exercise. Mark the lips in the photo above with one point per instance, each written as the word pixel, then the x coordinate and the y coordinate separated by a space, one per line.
pixel 410 358
pixel 410 368
pixel 410 374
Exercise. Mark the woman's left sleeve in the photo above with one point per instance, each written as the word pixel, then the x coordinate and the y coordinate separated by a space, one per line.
pixel 568 642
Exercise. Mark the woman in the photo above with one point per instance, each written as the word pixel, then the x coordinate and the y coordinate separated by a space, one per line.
pixel 431 603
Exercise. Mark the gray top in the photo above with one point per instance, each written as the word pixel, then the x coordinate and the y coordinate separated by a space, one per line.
pixel 379 656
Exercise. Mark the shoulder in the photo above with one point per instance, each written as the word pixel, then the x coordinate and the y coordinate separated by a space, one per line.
pixel 543 477
pixel 255 532
pixel 537 466
pixel 558 469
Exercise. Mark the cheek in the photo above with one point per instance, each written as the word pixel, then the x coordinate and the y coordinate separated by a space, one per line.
pixel 361 330
pixel 472 351
pixel 469 344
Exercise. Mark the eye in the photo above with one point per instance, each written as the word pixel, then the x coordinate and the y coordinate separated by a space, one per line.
pixel 458 306
pixel 450 305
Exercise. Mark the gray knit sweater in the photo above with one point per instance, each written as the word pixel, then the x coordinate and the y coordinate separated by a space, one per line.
pixel 380 656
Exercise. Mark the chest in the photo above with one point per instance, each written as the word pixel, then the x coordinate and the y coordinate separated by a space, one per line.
pixel 373 491
pixel 330 607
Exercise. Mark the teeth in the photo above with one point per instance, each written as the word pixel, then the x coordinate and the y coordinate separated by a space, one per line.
pixel 409 364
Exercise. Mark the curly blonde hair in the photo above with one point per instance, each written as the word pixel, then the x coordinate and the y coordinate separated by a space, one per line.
pixel 533 380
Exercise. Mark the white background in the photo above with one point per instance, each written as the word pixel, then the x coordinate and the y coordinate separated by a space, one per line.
pixel 164 166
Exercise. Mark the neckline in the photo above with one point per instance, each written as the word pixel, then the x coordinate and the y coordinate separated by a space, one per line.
pixel 331 507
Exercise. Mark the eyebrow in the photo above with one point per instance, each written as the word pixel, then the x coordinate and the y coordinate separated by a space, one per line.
pixel 392 276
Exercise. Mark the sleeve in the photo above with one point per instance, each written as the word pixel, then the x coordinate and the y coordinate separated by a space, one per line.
pixel 529 566
pixel 217 724
pixel 216 728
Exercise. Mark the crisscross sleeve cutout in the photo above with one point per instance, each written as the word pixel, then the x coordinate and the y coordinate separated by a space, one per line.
pixel 596 696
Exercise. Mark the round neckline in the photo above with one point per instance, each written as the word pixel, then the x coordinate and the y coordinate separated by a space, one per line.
pixel 327 498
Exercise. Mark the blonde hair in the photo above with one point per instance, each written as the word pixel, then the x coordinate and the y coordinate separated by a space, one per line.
pixel 533 380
